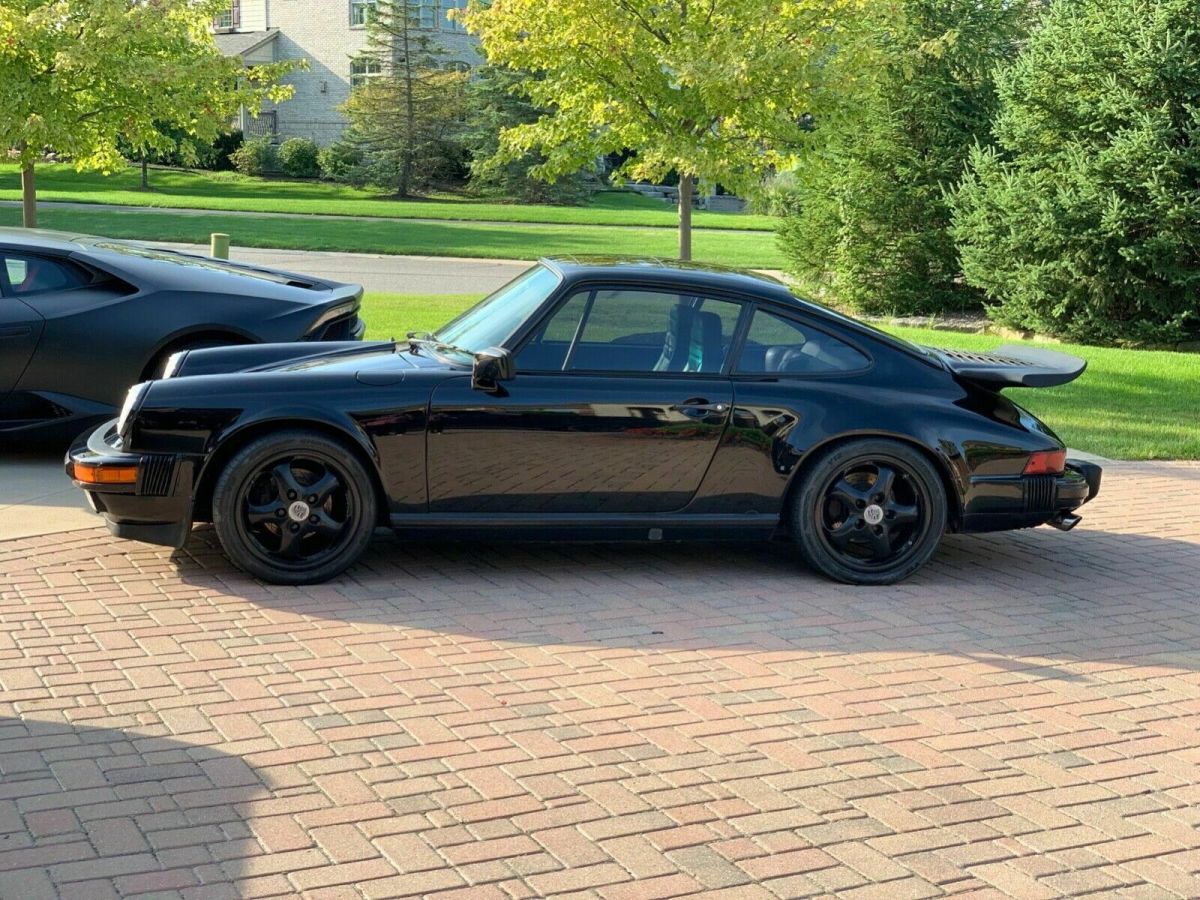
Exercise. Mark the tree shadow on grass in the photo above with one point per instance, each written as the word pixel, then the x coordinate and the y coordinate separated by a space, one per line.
pixel 99 812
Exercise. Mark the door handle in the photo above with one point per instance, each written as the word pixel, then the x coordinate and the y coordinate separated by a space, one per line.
pixel 14 331
pixel 699 407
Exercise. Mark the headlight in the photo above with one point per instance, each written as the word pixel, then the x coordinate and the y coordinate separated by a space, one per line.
pixel 133 400
pixel 174 361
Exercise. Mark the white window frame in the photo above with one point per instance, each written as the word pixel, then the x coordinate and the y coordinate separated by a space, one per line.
pixel 371 69
pixel 230 19
pixel 360 12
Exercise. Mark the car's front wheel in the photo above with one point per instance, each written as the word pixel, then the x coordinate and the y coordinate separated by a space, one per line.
pixel 294 508
pixel 869 512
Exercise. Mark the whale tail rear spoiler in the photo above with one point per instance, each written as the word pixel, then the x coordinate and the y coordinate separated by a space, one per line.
pixel 1013 365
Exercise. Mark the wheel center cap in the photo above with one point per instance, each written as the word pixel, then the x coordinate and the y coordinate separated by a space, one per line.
pixel 298 511
pixel 873 514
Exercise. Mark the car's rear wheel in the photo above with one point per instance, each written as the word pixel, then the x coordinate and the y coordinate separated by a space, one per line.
pixel 294 508
pixel 869 512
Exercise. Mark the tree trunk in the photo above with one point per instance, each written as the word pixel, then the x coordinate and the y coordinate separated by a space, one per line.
pixel 145 174
pixel 686 182
pixel 410 118
pixel 28 197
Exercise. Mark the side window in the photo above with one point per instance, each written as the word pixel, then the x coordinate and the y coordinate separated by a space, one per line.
pixel 634 330
pixel 547 350
pixel 778 345
pixel 36 275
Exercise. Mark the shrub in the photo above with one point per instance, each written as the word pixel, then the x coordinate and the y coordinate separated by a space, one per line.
pixel 1083 221
pixel 339 161
pixel 256 156
pixel 867 216
pixel 776 196
pixel 298 158
pixel 222 149
pixel 187 151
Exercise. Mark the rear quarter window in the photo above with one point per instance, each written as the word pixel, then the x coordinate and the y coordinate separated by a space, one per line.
pixel 776 345
pixel 26 275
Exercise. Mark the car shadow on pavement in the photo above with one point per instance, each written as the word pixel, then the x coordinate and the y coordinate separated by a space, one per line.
pixel 1034 601
pixel 85 811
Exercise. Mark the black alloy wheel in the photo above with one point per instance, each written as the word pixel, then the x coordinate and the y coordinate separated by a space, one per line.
pixel 870 512
pixel 294 508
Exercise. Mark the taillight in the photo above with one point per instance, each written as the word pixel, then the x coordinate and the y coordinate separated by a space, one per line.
pixel 1046 462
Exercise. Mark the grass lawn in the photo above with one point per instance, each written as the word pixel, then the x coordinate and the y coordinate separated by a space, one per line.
pixel 229 191
pixel 732 248
pixel 1129 404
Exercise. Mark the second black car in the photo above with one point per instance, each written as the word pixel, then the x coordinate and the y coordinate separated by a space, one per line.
pixel 83 318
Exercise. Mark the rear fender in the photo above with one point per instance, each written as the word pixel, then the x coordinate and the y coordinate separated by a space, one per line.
pixel 946 460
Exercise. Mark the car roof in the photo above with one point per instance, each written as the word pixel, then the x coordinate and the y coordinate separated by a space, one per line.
pixel 671 271
pixel 43 239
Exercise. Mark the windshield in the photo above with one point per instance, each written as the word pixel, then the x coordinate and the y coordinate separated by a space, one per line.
pixel 493 320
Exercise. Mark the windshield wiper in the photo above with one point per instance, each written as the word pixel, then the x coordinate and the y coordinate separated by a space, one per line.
pixel 417 339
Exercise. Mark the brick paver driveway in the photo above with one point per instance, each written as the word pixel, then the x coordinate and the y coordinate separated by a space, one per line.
pixel 1021 719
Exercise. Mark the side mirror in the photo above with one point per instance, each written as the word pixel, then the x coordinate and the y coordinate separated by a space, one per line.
pixel 491 367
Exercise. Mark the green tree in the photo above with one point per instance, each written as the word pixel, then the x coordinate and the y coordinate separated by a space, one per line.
pixel 498 99
pixel 80 75
pixel 405 118
pixel 711 90
pixel 870 220
pixel 1085 220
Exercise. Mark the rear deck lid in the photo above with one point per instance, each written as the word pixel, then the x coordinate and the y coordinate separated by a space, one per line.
pixel 1013 365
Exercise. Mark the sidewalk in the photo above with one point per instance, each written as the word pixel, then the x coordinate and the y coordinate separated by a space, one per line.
pixel 378 272
pixel 192 211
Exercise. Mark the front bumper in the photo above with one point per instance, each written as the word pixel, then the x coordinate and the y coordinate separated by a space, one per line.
pixel 155 508
pixel 1026 501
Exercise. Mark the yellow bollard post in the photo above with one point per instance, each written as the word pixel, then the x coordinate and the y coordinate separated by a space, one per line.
pixel 220 246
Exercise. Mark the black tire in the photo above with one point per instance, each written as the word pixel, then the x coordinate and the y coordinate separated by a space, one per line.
pixel 294 508
pixel 869 512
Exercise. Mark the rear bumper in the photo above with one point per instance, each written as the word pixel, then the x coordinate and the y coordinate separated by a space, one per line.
pixel 156 508
pixel 1026 501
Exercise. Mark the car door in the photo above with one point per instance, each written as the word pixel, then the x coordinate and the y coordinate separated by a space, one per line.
pixel 618 405
pixel 20 325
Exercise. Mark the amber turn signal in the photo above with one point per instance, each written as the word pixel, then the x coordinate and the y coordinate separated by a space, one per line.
pixel 1046 462
pixel 100 474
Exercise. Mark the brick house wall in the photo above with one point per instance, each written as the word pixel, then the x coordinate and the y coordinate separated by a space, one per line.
pixel 321 32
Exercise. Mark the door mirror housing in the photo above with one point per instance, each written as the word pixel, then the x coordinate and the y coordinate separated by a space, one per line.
pixel 492 366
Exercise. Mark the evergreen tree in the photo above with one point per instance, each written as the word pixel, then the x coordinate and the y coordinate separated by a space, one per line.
pixel 496 100
pixel 405 118
pixel 1085 220
pixel 869 221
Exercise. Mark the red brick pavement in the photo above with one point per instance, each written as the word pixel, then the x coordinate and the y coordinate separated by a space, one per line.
pixel 1020 719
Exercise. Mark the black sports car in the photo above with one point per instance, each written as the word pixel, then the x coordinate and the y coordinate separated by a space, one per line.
pixel 592 398
pixel 83 318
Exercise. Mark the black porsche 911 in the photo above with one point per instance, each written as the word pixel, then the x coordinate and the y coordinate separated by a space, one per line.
pixel 592 398
pixel 83 318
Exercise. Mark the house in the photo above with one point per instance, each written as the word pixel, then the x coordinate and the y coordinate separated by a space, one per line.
pixel 332 36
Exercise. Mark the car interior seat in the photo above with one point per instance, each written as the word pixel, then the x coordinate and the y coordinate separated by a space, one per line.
pixel 692 342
